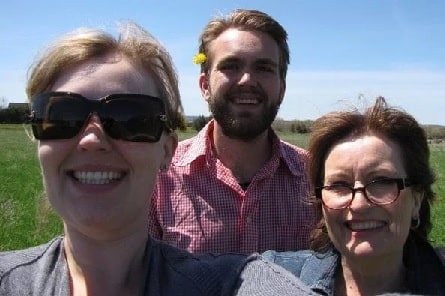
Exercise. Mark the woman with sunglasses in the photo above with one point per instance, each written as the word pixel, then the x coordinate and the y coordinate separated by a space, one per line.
pixel 104 111
pixel 372 183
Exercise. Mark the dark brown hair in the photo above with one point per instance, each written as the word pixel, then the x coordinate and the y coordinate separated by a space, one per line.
pixel 251 20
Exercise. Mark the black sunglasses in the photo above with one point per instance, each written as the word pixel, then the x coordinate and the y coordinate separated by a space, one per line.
pixel 129 117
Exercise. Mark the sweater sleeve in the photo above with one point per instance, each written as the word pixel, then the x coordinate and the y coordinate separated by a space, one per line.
pixel 263 278
pixel 39 270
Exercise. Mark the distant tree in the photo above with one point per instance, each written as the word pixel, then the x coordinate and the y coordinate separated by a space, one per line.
pixel 280 125
pixel 435 132
pixel 294 126
pixel 299 127
pixel 182 122
pixel 200 122
pixel 3 102
pixel 12 115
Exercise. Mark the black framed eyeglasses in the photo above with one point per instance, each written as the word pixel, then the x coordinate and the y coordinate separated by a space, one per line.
pixel 129 117
pixel 380 192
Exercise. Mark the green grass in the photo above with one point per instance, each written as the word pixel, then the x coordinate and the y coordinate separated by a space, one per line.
pixel 25 217
pixel 27 220
pixel 300 140
pixel 437 161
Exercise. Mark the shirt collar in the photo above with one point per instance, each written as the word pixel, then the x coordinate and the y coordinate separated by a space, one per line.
pixel 201 145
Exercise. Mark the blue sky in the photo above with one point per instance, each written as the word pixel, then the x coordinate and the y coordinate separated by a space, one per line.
pixel 339 49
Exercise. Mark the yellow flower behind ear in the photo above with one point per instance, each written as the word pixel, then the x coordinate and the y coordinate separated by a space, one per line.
pixel 199 58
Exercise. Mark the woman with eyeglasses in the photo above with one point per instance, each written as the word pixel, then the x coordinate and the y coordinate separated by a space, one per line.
pixel 103 112
pixel 373 191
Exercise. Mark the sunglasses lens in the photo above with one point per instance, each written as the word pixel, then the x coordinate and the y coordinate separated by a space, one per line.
pixel 57 116
pixel 133 118
pixel 129 117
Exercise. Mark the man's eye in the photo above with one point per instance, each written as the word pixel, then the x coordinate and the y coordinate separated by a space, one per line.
pixel 265 68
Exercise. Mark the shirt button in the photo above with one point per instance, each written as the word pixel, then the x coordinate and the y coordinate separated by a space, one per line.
pixel 249 219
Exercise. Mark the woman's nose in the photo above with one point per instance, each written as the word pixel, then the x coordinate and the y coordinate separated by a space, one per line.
pixel 93 136
pixel 359 199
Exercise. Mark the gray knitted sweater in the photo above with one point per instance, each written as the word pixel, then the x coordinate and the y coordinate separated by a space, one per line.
pixel 42 270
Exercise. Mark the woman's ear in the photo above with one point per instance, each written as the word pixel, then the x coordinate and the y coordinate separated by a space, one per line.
pixel 418 198
pixel 170 144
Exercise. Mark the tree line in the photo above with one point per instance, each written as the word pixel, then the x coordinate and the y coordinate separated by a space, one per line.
pixel 13 115
pixel 435 133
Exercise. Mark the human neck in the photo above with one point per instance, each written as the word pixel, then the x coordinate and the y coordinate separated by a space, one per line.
pixel 106 267
pixel 370 278
pixel 243 158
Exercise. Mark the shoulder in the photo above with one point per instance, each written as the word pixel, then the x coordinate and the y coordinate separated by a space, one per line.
pixel 262 277
pixel 425 268
pixel 184 146
pixel 296 158
pixel 293 148
pixel 190 149
pixel 232 274
pixel 293 152
pixel 10 260
pixel 202 261
pixel 30 268
pixel 204 272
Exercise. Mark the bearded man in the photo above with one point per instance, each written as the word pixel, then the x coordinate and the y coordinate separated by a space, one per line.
pixel 236 187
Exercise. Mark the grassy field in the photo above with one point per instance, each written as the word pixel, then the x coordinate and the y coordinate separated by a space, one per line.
pixel 26 219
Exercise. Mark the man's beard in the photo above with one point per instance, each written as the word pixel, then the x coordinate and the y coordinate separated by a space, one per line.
pixel 243 125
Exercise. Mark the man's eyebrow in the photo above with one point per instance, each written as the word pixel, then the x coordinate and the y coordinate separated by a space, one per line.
pixel 266 61
pixel 261 61
pixel 229 59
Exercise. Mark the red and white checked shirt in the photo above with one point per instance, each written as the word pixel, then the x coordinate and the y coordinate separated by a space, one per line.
pixel 199 206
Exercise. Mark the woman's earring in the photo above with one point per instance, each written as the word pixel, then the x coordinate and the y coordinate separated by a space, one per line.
pixel 415 223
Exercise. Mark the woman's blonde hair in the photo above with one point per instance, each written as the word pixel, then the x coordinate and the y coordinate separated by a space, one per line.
pixel 85 43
